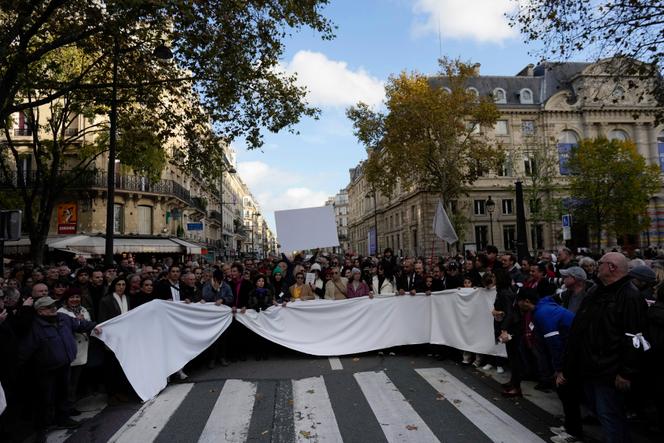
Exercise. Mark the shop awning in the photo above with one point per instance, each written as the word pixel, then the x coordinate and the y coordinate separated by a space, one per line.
pixel 97 245
pixel 191 248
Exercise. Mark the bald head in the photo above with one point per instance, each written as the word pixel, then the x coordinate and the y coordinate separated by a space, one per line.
pixel 39 290
pixel 612 267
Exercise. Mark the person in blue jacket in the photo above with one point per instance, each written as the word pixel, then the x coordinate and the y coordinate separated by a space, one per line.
pixel 50 347
pixel 552 323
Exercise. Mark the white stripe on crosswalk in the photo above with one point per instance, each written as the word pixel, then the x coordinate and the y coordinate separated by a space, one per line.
pixel 335 364
pixel 312 411
pixel 396 416
pixel 496 424
pixel 147 422
pixel 231 415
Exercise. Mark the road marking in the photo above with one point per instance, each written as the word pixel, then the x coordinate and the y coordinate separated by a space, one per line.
pixel 230 418
pixel 496 424
pixel 397 418
pixel 146 424
pixel 335 363
pixel 312 411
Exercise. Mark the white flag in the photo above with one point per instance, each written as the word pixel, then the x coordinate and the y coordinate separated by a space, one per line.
pixel 3 400
pixel 442 226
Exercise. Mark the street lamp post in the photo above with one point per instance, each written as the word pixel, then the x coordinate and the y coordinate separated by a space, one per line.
pixel 372 193
pixel 490 207
pixel 161 52
pixel 230 170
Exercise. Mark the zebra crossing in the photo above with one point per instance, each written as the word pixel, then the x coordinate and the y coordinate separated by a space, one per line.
pixel 392 405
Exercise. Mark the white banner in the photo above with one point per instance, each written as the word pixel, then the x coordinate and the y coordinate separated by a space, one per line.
pixel 462 319
pixel 159 338
pixel 3 400
pixel 342 327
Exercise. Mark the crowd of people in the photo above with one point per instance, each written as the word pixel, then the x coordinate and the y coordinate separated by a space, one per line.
pixel 592 330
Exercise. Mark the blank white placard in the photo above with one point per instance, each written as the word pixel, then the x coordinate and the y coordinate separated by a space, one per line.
pixel 306 228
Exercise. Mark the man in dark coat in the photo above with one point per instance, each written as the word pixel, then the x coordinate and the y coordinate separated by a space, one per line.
pixel 605 344
pixel 50 347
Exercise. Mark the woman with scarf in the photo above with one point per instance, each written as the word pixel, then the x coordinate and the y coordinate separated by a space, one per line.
pixel 71 306
pixel 279 287
pixel 301 290
pixel 260 298
pixel 356 286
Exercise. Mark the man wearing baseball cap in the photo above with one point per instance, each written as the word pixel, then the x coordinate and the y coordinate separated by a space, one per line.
pixel 50 347
pixel 574 279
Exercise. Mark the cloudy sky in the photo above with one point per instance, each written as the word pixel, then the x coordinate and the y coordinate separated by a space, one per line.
pixel 375 39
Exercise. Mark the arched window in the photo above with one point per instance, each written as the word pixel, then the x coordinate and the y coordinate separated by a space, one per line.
pixel 567 141
pixel 526 96
pixel 473 91
pixel 618 134
pixel 446 89
pixel 499 95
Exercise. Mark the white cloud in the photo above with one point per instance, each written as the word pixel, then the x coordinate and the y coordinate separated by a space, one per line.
pixel 277 189
pixel 481 20
pixel 331 83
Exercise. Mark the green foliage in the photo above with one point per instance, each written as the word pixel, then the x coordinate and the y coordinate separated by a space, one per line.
pixel 612 183
pixel 427 139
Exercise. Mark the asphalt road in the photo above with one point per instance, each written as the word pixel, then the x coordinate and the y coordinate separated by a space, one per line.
pixel 363 398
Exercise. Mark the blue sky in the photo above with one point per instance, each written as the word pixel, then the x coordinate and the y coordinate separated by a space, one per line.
pixel 374 39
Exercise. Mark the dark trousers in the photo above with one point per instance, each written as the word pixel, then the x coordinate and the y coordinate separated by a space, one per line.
pixel 51 397
pixel 608 404
pixel 114 377
pixel 570 396
pixel 514 358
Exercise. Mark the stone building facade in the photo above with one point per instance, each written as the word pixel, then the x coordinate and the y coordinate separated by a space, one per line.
pixel 549 107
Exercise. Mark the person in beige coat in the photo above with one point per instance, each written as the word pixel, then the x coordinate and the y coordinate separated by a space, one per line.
pixel 337 287
pixel 300 290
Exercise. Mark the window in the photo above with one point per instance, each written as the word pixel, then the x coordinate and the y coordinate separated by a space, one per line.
pixel 446 89
pixel 528 127
pixel 508 206
pixel 535 205
pixel 145 220
pixel 618 134
pixel 660 150
pixel 529 165
pixel 473 91
pixel 480 209
pixel 500 128
pixel 537 236
pixel 481 232
pixel 509 237
pixel 507 168
pixel 499 95
pixel 566 142
pixel 473 127
pixel 118 218
pixel 526 96
pixel 412 214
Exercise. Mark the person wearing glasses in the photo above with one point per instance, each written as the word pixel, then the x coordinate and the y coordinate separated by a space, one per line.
pixel 337 287
pixel 300 290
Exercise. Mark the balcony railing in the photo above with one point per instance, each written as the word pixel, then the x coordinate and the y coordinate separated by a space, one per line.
pixel 216 215
pixel 18 132
pixel 98 180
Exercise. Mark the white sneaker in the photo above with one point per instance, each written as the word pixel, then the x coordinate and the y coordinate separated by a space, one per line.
pixel 477 363
pixel 559 430
pixel 500 370
pixel 487 367
pixel 182 375
pixel 392 354
pixel 565 438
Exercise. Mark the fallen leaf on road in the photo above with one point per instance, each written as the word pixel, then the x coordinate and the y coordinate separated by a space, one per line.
pixel 411 427
pixel 456 401
pixel 290 402
pixel 440 396
pixel 310 391
pixel 305 434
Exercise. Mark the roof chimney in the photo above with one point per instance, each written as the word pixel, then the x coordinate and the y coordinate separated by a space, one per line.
pixel 528 71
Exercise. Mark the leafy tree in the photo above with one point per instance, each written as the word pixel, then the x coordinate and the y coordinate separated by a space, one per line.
pixel 611 184
pixel 430 137
pixel 632 30
pixel 223 82
pixel 540 180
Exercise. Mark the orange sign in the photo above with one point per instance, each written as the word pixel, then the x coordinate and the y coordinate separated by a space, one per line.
pixel 67 217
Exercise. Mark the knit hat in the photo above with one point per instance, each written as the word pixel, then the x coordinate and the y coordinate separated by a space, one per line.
pixel 355 271
pixel 277 270
pixel 643 273
pixel 315 267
